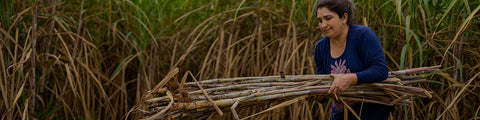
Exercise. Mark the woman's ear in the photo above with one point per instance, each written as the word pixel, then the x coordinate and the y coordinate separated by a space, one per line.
pixel 345 18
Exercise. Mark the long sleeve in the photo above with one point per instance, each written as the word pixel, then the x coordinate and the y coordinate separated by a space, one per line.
pixel 320 56
pixel 373 57
pixel 318 66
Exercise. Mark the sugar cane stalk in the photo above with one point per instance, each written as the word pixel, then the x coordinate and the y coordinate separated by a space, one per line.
pixel 206 95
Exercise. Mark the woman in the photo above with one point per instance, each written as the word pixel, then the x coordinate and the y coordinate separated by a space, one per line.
pixel 351 54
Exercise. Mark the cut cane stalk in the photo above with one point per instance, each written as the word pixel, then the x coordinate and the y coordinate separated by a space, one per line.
pixel 216 94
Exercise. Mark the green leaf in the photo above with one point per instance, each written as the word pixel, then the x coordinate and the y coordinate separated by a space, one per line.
pixel 120 66
pixel 452 3
pixel 402 56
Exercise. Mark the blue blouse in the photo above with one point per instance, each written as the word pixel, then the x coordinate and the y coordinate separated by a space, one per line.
pixel 363 55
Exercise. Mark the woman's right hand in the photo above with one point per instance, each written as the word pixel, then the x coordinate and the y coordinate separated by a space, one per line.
pixel 341 82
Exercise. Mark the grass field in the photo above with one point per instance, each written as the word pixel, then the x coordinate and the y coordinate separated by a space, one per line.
pixel 93 59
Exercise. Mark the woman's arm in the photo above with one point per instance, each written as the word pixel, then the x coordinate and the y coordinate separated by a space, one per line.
pixel 372 56
pixel 371 53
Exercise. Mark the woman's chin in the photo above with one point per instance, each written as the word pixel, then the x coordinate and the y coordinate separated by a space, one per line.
pixel 328 35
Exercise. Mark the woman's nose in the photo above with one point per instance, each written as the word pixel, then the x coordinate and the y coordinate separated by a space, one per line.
pixel 322 24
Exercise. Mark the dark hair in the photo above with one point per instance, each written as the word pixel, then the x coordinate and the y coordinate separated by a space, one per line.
pixel 339 6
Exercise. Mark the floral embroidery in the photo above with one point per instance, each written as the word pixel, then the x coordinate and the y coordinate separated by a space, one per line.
pixel 339 67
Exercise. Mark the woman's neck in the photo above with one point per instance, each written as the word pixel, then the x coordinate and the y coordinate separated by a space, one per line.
pixel 338 44
pixel 340 39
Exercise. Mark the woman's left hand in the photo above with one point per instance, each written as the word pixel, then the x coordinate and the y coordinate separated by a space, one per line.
pixel 341 82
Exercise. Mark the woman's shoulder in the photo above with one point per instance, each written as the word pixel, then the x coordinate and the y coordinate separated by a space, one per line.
pixel 360 31
pixel 359 28
pixel 322 44
pixel 324 40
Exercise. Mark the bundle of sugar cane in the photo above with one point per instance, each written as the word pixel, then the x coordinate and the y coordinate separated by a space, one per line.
pixel 171 99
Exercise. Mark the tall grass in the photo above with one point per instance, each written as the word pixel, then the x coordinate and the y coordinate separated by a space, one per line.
pixel 94 59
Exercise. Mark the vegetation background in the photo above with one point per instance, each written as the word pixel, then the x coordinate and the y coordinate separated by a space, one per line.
pixel 93 59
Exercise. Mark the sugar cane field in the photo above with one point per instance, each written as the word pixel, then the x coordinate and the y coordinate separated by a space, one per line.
pixel 227 59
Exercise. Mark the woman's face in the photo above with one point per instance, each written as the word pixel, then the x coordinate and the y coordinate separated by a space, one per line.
pixel 331 25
